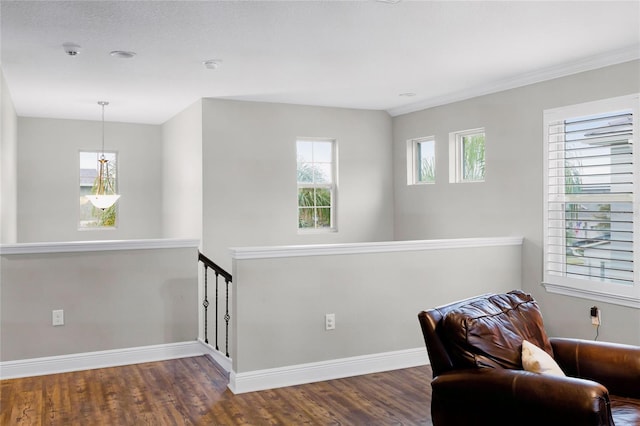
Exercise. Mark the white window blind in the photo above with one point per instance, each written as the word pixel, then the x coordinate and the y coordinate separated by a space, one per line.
pixel 591 196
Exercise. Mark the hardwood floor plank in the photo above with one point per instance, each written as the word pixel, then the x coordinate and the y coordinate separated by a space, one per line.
pixel 394 393
pixel 56 395
pixel 26 413
pixel 193 391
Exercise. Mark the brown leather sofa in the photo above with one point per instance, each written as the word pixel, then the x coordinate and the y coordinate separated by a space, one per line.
pixel 474 346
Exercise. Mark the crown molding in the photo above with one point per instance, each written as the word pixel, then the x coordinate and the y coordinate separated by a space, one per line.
pixel 614 57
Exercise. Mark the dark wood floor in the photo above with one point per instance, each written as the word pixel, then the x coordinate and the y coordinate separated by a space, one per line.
pixel 193 391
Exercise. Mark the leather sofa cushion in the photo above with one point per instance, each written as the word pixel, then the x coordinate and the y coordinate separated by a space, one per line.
pixel 488 332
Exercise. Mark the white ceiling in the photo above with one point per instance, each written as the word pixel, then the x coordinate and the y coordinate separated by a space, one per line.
pixel 354 54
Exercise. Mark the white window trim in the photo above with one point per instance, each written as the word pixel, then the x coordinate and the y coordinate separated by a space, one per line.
pixel 333 187
pixel 413 160
pixel 618 294
pixel 455 155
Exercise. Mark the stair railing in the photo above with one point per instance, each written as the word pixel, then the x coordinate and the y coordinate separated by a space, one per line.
pixel 219 272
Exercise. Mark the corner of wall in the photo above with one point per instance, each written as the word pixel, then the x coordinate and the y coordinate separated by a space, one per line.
pixel 182 174
pixel 8 165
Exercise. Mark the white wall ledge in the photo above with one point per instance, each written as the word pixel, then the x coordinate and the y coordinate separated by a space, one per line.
pixel 86 246
pixel 241 253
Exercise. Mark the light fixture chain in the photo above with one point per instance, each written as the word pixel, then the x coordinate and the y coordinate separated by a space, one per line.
pixel 102 130
pixel 103 104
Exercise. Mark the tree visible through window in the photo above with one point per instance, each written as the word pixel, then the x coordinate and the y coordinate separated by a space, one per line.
pixel 467 159
pixel 423 163
pixel 316 183
pixel 473 157
pixel 90 216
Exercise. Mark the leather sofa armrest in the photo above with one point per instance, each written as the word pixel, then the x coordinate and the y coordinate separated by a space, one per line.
pixel 489 396
pixel 615 366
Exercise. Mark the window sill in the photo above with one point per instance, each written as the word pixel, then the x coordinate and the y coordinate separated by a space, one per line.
pixel 615 299
pixel 98 228
pixel 468 181
pixel 312 231
pixel 421 183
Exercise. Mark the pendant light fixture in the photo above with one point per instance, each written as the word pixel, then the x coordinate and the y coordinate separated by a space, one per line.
pixel 105 195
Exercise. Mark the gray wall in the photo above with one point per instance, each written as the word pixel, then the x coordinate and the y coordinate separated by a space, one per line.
pixel 8 165
pixel 279 304
pixel 48 177
pixel 111 300
pixel 509 202
pixel 182 174
pixel 248 182
pixel 249 174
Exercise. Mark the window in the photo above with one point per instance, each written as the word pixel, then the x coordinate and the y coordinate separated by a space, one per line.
pixel 316 184
pixel 466 156
pixel 90 216
pixel 590 200
pixel 421 166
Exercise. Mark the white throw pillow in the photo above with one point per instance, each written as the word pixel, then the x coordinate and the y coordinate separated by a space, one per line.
pixel 536 360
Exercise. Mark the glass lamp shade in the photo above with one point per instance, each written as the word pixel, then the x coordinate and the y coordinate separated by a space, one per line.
pixel 103 201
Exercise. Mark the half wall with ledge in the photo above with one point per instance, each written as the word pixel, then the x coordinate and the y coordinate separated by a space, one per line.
pixel 375 290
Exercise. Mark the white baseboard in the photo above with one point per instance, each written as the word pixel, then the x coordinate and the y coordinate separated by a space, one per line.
pixel 238 382
pixel 100 359
pixel 217 356
pixel 326 370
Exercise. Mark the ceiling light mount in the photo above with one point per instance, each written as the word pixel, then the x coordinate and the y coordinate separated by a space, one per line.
pixel 212 64
pixel 122 54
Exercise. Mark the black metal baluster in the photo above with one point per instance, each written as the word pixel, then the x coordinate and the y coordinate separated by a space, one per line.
pixel 205 303
pixel 208 263
pixel 226 318
pixel 217 312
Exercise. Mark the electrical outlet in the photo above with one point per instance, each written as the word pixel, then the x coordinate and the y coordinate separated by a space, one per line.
pixel 58 317
pixel 330 322
pixel 596 316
